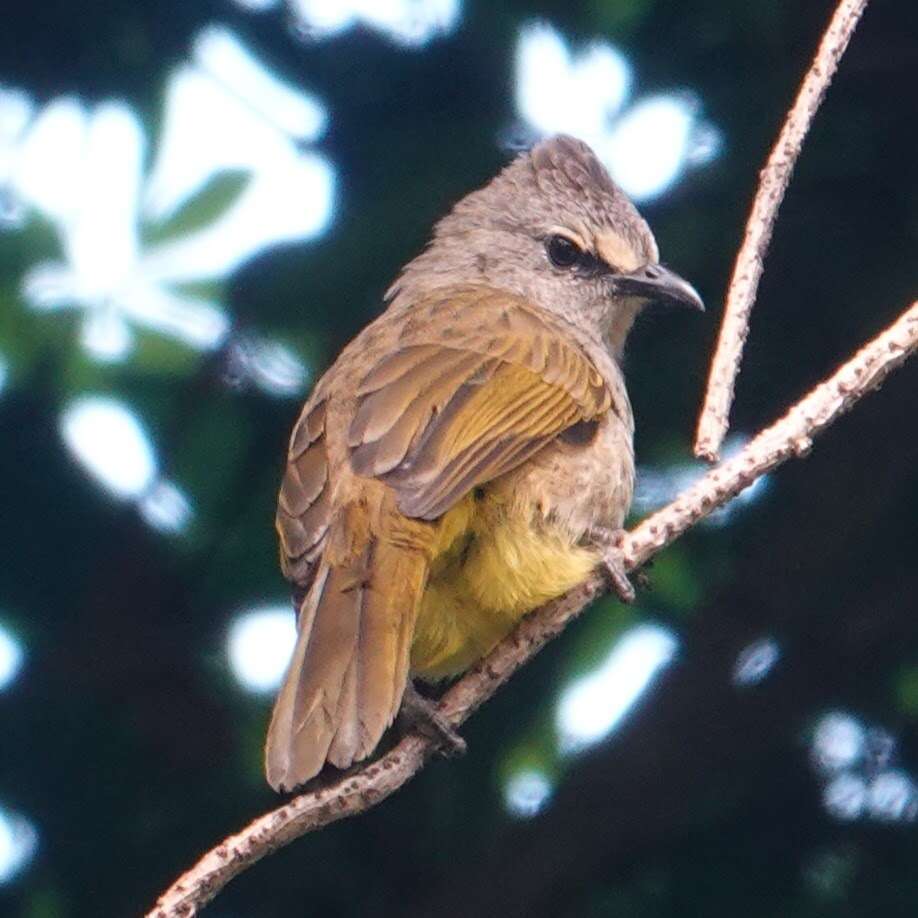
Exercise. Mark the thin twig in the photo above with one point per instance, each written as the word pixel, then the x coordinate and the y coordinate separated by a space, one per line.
pixel 713 421
pixel 372 783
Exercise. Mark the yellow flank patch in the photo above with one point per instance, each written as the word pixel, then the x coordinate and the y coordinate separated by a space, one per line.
pixel 493 566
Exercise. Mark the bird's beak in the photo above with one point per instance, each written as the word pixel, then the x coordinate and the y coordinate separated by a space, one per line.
pixel 659 284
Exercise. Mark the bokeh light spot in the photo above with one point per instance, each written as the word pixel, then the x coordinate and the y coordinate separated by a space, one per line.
pixel 592 706
pixel 108 440
pixel 755 661
pixel 219 52
pixel 165 507
pixel 411 23
pixel 11 658
pixel 891 797
pixel 659 486
pixel 18 844
pixel 267 364
pixel 233 145
pixel 845 796
pixel 556 93
pixel 646 147
pixel 527 792
pixel 259 646
pixel 838 742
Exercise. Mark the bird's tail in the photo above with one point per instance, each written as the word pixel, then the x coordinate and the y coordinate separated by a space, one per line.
pixel 346 678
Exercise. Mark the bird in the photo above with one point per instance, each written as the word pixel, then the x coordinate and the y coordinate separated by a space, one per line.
pixel 468 456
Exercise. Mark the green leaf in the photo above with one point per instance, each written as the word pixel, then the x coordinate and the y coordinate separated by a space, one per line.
pixel 674 580
pixel 203 209
pixel 906 691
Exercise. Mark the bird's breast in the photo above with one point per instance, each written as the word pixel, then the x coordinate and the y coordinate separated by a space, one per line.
pixel 518 542
pixel 584 479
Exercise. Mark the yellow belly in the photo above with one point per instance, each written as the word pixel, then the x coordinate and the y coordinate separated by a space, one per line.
pixel 493 565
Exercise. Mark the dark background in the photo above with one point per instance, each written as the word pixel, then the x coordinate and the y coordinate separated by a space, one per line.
pixel 128 744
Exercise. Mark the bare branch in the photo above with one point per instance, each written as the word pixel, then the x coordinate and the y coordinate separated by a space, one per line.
pixel 370 784
pixel 713 421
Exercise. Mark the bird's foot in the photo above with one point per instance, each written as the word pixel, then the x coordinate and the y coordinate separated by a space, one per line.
pixel 421 714
pixel 609 542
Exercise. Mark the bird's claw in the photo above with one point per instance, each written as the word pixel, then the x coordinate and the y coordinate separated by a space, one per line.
pixel 612 560
pixel 421 714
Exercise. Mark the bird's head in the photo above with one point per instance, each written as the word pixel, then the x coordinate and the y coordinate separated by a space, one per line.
pixel 554 228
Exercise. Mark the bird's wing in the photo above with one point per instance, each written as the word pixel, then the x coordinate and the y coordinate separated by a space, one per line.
pixel 477 384
pixel 304 504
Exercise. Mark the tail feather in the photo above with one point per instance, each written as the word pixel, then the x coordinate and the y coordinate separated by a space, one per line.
pixel 348 672
pixel 390 602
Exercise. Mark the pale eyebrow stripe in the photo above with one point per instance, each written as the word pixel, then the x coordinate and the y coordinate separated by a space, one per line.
pixel 614 251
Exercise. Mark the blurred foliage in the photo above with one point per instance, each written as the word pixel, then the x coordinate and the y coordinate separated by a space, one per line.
pixel 127 740
pixel 203 208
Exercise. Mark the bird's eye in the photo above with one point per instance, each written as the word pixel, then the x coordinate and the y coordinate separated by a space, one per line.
pixel 563 252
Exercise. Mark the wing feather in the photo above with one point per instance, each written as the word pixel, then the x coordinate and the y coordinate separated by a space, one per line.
pixel 444 414
pixel 304 503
